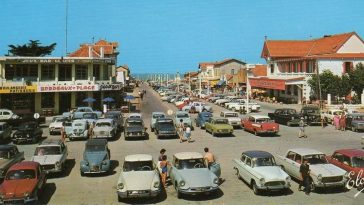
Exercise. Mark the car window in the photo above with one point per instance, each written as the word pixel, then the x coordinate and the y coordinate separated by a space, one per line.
pixel 243 157
pixel 358 162
pixel 134 123
pixel 2 128
pixel 155 116
pixel 6 113
pixel 263 161
pixel 21 174
pixel 298 158
pixel 316 159
pixel 338 157
pixel 221 121
pixel 103 124
pixel 291 155
pixel 346 160
pixel 182 115
pixel 248 161
pixel 231 115
pixel 47 150
pixel 138 166
pixel 262 120
pixel 191 163
pixel 95 148
pixel 4 154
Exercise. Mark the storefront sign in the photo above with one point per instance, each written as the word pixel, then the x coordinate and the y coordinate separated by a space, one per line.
pixel 59 60
pixel 67 88
pixel 110 87
pixel 18 89
pixel 274 84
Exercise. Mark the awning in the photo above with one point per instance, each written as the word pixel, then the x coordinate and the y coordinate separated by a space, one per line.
pixel 221 82
pixel 274 84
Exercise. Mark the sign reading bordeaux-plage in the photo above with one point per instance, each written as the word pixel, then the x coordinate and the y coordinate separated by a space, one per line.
pixel 67 88
pixel 110 87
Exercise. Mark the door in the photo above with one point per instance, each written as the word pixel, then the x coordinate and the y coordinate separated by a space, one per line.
pixel 64 102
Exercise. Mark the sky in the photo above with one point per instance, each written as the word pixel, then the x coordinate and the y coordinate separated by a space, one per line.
pixel 169 36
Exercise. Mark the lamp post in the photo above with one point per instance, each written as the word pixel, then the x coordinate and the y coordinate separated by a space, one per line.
pixel 177 80
pixel 189 81
pixel 247 91
pixel 199 79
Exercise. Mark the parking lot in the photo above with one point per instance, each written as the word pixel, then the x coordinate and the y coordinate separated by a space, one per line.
pixel 71 188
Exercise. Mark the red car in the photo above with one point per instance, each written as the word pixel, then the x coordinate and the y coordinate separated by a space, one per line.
pixel 22 183
pixel 351 160
pixel 260 124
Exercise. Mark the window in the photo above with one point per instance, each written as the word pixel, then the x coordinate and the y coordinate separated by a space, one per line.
pixel 248 161
pixel 347 67
pixel 243 158
pixel 47 72
pixel 297 158
pixel 65 72
pixel 96 71
pixel 271 68
pixel 47 100
pixel 81 72
pixel 290 155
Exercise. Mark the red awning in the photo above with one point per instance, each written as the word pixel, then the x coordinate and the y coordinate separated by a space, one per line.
pixel 274 84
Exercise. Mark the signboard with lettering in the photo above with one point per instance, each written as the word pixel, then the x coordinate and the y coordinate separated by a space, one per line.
pixel 110 87
pixel 67 88
pixel 59 60
pixel 275 84
pixel 18 89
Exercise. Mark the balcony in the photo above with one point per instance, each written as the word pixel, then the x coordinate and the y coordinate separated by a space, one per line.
pixel 293 75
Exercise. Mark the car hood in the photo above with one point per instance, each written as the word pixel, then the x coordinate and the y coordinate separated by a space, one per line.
pixel 271 173
pixel 100 129
pixel 234 119
pixel 47 159
pixel 134 129
pixel 138 180
pixel 222 126
pixel 56 124
pixel 95 157
pixel 199 177
pixel 326 170
pixel 17 188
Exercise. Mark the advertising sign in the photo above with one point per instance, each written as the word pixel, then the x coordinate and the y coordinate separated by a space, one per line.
pixel 18 89
pixel 67 88
pixel 275 84
pixel 110 87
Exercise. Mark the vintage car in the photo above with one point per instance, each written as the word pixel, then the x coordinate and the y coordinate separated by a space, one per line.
pixel 350 160
pixel 232 117
pixel 155 116
pixel 329 115
pixel 67 125
pixel 15 120
pixel 56 125
pixel 96 157
pixel 164 127
pixel 79 130
pixel 197 107
pixel 78 114
pixel 28 132
pixel 134 115
pixel 311 115
pixel 224 100
pixel 90 117
pixel 202 118
pixel 134 128
pixel 9 155
pixel 22 183
pixel 215 97
pixel 260 124
pixel 286 116
pixel 117 116
pixel 323 174
pixel 355 122
pixel 219 126
pixel 259 170
pixel 139 177
pixel 5 132
pixel 189 174
pixel 105 128
pixel 185 117
pixel 51 155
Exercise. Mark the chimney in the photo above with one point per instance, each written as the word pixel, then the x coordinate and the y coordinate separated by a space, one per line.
pixel 101 52
pixel 89 51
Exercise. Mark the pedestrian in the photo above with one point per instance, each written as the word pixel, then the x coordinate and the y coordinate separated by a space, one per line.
pixel 187 134
pixel 306 179
pixel 323 122
pixel 336 121
pixel 209 157
pixel 63 132
pixel 91 129
pixel 302 129
pixel 180 130
pixel 342 122
pixel 161 154
pixel 164 169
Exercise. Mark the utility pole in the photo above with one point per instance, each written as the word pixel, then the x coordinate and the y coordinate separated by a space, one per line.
pixel 319 84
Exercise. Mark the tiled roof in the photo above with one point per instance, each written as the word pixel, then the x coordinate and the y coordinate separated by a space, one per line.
pixel 204 65
pixel 122 68
pixel 83 51
pixel 259 70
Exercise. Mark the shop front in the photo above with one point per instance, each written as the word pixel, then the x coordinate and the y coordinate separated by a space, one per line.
pixel 19 99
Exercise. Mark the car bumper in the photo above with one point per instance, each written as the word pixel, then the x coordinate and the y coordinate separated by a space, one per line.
pixel 51 168
pixel 136 134
pixel 272 132
pixel 95 169
pixel 22 139
pixel 102 136
pixel 138 194
pixel 274 187
pixel 198 190
pixel 77 136
pixel 17 200
pixel 55 130
pixel 330 184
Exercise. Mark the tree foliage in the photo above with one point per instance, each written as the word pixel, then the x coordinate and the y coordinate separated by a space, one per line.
pixel 356 78
pixel 33 48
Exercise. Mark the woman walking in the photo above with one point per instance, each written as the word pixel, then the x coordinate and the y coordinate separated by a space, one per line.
pixel 336 121
pixel 164 167
pixel 180 130
pixel 343 122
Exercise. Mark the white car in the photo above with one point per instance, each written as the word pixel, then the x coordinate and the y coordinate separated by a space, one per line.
pixel 330 114
pixel 232 117
pixel 135 115
pixel 105 128
pixel 56 125
pixel 225 100
pixel 259 170
pixel 51 155
pixel 139 177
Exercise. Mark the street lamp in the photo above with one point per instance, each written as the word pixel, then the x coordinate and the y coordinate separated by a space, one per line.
pixel 199 79
pixel 177 79
pixel 247 90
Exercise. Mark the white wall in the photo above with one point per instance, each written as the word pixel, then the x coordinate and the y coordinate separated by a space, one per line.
pixel 353 45
pixel 336 66
pixel 120 77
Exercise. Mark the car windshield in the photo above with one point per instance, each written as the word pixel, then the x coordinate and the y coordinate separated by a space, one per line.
pixel 182 115
pixel 111 116
pixel 190 163
pixel 78 124
pixel 20 174
pixel 157 116
pixel 311 111
pixel 59 119
pixel 207 115
pixel 68 124
pixel 358 117
pixel 134 123
pixel 134 117
pixel 47 150
pixel 90 116
pixel 291 112
pixel 221 121
pixel 358 162
pixel 316 159
pixel 26 126
pixel 4 154
pixel 138 166
pixel 103 124
pixel 163 125
pixel 264 161
pixel 95 148
pixel 261 120
pixel 84 110
pixel 231 115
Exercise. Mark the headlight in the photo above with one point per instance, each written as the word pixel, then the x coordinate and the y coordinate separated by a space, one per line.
pixel 28 135
pixel 156 184
pixel 216 180
pixel 182 183
pixel 57 164
pixel 26 194
pixel 86 163
pixel 262 181
pixel 120 186
pixel 104 162
pixel 288 179
pixel 319 177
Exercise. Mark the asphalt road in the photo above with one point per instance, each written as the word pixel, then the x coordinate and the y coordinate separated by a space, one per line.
pixel 74 189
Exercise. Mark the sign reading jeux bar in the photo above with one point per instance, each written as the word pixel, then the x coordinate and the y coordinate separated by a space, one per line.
pixel 18 89
pixel 110 87
pixel 67 88
pixel 275 84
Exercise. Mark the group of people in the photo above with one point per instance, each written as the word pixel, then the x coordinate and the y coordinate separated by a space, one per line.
pixel 340 121
pixel 184 132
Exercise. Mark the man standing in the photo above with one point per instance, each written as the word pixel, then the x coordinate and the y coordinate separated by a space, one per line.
pixel 302 129
pixel 209 157
pixel 305 174
pixel 180 130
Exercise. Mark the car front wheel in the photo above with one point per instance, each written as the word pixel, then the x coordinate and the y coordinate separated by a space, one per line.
pixel 255 188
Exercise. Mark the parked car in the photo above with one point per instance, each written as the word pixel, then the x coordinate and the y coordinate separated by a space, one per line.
pixel 215 97
pixel 15 120
pixel 219 126
pixel 202 118
pixel 189 174
pixel 23 183
pixel 135 116
pixel 90 117
pixel 134 128
pixel 329 115
pixel 78 114
pixel 51 155
pixel 9 155
pixel 232 117
pixel 155 116
pixel 259 170
pixel 197 107
pixel 28 132
pixel 260 124
pixel 79 130
pixel 355 122
pixel 67 126
pixel 6 114
pixel 224 100
pixel 323 174
pixel 56 125
pixel 96 157
pixel 105 128
pixel 350 160
pixel 286 116
pixel 139 177
pixel 5 132
pixel 312 115
pixel 117 116
pixel 164 127
pixel 185 117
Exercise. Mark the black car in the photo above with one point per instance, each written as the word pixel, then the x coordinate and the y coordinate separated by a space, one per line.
pixel 27 132
pixel 312 115
pixel 134 128
pixel 286 116
pixel 164 127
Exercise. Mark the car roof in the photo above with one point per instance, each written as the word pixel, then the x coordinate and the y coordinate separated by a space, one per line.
pixel 7 147
pixel 96 142
pixel 259 116
pixel 161 113
pixel 24 165
pixel 138 157
pixel 188 155
pixel 105 120
pixel 351 152
pixel 51 142
pixel 181 112
pixel 257 154
pixel 305 151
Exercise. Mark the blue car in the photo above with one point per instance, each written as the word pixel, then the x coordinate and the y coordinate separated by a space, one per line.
pixel 96 157
pixel 202 118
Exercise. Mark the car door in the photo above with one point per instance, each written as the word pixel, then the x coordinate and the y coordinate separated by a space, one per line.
pixel 246 169
pixel 41 176
pixel 208 124
pixel 249 124
pixel 242 167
